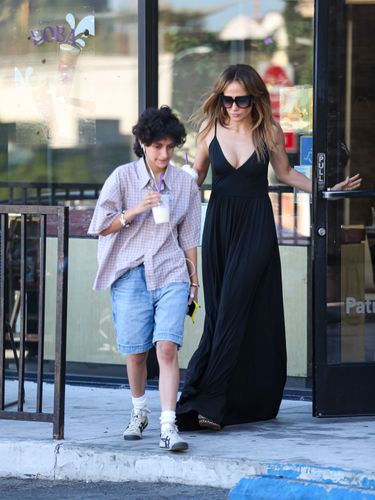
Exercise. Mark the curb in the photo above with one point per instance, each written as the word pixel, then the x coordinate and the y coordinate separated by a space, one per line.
pixel 63 461
pixel 269 488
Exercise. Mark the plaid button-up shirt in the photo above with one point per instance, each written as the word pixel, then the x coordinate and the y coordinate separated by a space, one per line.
pixel 160 247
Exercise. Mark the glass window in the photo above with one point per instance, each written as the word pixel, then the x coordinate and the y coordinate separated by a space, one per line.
pixel 68 89
pixel 68 101
pixel 351 222
pixel 198 41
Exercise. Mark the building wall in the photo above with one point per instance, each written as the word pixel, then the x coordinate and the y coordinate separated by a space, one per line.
pixel 91 338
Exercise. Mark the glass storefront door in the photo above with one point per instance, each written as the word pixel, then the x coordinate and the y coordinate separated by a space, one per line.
pixel 344 221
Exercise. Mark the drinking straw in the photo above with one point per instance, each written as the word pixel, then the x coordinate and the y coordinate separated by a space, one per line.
pixel 160 181
pixel 186 158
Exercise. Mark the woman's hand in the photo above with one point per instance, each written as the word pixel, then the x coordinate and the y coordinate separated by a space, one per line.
pixel 349 183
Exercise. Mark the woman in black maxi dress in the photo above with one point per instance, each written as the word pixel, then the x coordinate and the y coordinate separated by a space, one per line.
pixel 238 371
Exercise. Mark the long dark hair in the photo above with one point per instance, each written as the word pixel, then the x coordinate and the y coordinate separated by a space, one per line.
pixel 261 118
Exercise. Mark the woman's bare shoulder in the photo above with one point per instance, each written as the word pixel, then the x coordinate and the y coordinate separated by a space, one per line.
pixel 206 133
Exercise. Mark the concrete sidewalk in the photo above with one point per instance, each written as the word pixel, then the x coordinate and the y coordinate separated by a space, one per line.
pixel 295 446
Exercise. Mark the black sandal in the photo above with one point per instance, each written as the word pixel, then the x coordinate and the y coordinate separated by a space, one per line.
pixel 206 423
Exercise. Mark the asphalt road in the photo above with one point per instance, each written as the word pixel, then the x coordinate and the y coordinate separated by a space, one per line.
pixel 37 489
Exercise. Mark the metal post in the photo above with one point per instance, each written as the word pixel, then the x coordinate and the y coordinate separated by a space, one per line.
pixel 41 310
pixel 148 17
pixel 23 316
pixel 61 322
pixel 3 237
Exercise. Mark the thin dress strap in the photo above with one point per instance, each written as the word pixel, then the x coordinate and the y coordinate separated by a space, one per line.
pixel 215 127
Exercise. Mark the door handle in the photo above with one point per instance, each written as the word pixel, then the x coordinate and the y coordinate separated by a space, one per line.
pixel 347 193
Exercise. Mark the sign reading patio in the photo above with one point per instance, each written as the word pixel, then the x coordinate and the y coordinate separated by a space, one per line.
pixel 72 35
pixel 366 306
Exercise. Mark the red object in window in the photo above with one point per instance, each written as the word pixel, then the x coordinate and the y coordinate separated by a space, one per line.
pixel 290 142
pixel 275 77
pixel 275 104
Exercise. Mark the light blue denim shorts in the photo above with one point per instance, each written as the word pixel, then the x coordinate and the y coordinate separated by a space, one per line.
pixel 143 317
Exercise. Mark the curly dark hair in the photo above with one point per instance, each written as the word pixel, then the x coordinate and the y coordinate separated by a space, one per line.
pixel 155 124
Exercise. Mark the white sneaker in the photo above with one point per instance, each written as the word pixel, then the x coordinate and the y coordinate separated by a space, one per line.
pixel 137 424
pixel 171 440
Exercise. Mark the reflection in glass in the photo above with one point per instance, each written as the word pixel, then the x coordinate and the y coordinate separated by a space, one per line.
pixel 350 288
pixel 351 148
pixel 68 89
pixel 199 39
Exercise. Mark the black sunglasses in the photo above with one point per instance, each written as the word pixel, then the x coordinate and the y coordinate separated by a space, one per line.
pixel 242 101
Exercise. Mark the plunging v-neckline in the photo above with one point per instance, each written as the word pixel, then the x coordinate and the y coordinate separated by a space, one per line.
pixel 225 158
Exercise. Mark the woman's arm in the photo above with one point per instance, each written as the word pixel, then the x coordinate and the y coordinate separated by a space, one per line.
pixel 280 163
pixel 202 160
pixel 290 176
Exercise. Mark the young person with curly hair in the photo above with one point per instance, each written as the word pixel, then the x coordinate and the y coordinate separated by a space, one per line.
pixel 151 268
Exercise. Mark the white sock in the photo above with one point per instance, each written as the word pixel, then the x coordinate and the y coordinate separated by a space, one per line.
pixel 167 417
pixel 139 403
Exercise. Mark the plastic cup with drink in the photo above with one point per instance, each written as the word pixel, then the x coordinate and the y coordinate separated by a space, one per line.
pixel 188 169
pixel 161 211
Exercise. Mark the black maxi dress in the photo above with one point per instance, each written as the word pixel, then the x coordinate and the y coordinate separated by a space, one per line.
pixel 238 371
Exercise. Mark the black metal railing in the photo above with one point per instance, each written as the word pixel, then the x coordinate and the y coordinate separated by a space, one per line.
pixel 17 222
pixel 51 193
pixel 280 191
pixel 286 210
pixel 46 193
